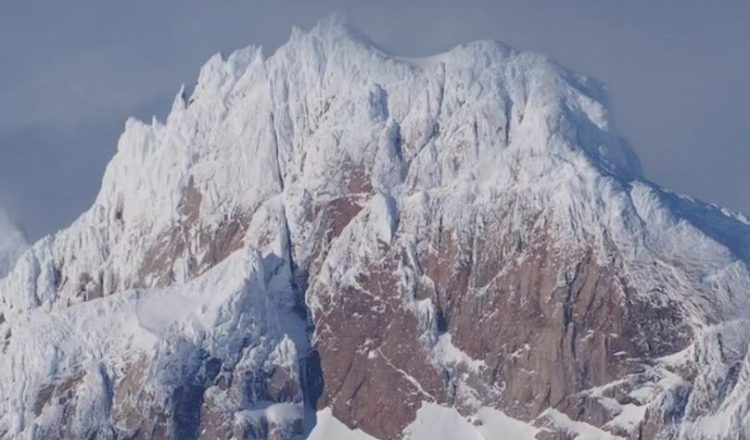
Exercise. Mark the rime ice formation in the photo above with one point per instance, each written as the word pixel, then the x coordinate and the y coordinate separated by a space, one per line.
pixel 336 243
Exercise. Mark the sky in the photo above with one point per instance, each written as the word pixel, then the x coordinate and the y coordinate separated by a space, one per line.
pixel 677 73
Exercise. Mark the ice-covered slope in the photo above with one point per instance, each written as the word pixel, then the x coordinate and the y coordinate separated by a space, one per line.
pixel 387 242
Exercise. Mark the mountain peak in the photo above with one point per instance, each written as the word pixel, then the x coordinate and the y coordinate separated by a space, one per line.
pixel 334 59
pixel 396 241
pixel 335 28
pixel 336 24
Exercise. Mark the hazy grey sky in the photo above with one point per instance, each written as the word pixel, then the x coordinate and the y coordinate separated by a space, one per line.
pixel 678 75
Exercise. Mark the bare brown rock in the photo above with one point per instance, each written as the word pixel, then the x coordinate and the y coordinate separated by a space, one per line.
pixel 188 239
pixel 549 325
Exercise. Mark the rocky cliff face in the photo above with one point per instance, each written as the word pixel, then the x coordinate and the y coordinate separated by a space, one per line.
pixel 335 243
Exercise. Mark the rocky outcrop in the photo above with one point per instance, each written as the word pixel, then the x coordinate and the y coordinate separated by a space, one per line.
pixel 539 326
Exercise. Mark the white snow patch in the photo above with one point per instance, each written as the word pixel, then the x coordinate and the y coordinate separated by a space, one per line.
pixel 581 430
pixel 629 418
pixel 329 427
pixel 436 422
pixel 448 354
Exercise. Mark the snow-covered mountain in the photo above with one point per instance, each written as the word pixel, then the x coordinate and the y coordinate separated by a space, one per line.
pixel 335 243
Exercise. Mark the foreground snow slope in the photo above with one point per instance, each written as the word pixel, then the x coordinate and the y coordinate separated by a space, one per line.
pixel 387 243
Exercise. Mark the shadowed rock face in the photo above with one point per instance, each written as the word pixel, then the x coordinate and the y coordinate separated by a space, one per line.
pixel 371 353
pixel 201 406
pixel 546 325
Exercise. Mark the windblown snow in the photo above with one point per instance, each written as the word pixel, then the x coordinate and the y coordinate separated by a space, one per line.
pixel 178 305
pixel 12 243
